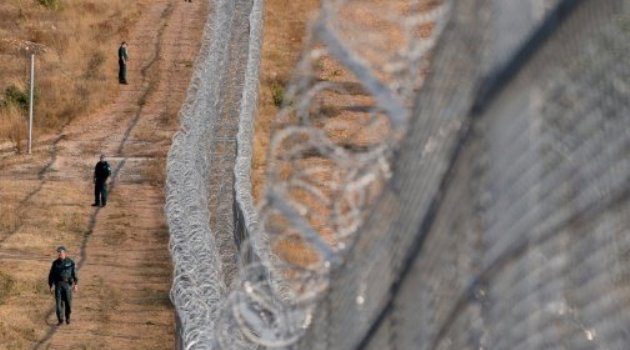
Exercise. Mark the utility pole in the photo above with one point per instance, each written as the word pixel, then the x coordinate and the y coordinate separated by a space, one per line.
pixel 30 104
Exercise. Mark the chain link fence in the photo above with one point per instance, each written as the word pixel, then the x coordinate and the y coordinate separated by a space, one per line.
pixel 459 181
pixel 504 224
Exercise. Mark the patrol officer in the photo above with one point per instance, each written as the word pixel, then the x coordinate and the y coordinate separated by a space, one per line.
pixel 122 63
pixel 62 280
pixel 102 171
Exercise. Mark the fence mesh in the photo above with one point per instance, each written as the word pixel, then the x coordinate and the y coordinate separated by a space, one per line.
pixel 504 225
pixel 459 181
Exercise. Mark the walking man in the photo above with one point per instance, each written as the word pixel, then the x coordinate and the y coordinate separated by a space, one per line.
pixel 62 280
pixel 122 63
pixel 102 171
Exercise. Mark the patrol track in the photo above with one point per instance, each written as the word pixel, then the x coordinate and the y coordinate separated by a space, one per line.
pixel 150 86
pixel 93 218
pixel 121 249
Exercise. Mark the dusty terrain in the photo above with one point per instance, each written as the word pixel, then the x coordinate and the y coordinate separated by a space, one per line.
pixel 122 302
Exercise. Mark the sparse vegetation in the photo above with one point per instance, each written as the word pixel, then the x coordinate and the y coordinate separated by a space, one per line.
pixel 71 222
pixel 51 4
pixel 116 237
pixel 16 96
pixel 14 104
pixel 13 125
pixel 277 93
pixel 9 217
pixel 155 171
pixel 7 284
pixel 75 67
pixel 285 22
pixel 94 65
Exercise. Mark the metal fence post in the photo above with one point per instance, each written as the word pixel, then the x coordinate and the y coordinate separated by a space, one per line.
pixel 30 104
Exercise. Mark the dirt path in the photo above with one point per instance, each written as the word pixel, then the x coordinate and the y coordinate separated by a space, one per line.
pixel 121 249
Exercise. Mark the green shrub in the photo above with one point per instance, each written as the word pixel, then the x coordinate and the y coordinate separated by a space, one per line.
pixel 13 95
pixel 277 93
pixel 51 4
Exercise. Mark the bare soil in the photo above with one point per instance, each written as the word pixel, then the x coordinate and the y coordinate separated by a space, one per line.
pixel 122 249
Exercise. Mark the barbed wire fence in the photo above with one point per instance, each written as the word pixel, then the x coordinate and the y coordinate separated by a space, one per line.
pixel 202 274
pixel 319 185
pixel 482 207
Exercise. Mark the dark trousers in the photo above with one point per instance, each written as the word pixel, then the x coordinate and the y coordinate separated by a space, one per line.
pixel 63 300
pixel 100 192
pixel 122 72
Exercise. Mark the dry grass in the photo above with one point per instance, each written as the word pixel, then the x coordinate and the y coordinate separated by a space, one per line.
pixel 59 215
pixel 78 72
pixel 7 284
pixel 19 282
pixel 155 171
pixel 285 26
pixel 71 222
pixel 10 219
pixel 116 237
pixel 13 127
pixel 54 215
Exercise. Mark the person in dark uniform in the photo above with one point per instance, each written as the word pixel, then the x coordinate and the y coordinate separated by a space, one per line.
pixel 63 280
pixel 122 63
pixel 102 171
